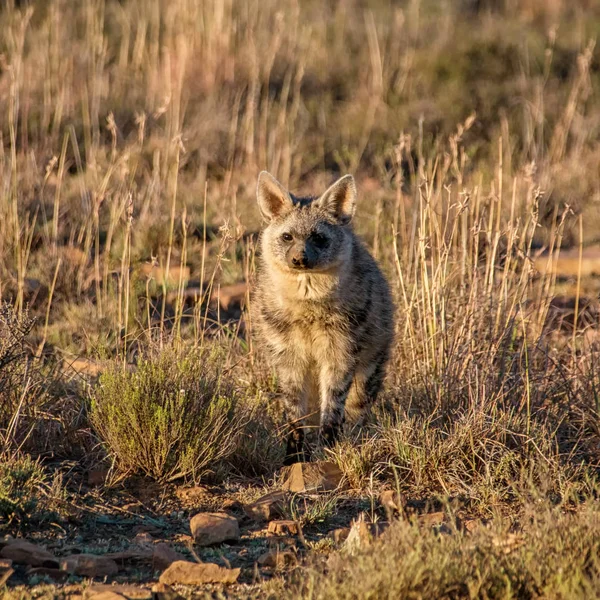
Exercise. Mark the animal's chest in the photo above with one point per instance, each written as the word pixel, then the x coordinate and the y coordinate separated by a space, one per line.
pixel 318 331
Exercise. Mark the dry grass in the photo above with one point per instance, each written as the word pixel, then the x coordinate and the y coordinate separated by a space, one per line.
pixel 132 137
pixel 552 555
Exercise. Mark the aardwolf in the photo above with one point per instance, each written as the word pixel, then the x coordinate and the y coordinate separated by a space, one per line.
pixel 323 309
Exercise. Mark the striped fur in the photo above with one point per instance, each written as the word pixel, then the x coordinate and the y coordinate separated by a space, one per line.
pixel 323 309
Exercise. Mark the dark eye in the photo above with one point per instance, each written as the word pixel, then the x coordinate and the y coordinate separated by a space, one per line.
pixel 287 237
pixel 319 240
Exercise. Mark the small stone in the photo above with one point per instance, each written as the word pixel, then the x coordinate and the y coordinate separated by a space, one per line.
pixel 473 525
pixel 89 565
pixel 191 494
pixel 393 502
pixel 231 504
pixel 131 592
pixel 83 366
pixel 431 519
pixel 214 528
pixel 231 296
pixel 164 556
pixel 284 527
pixel 339 536
pixel 22 552
pixel 320 476
pixel 189 573
pixel 362 534
pixel 267 507
pixel 277 559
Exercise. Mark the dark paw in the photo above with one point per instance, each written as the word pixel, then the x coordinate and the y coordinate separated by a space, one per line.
pixel 330 435
pixel 294 451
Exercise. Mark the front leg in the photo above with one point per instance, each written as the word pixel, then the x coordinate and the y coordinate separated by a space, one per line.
pixel 335 386
pixel 293 381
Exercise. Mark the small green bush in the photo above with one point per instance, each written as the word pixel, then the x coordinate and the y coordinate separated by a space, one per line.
pixel 173 417
pixel 20 479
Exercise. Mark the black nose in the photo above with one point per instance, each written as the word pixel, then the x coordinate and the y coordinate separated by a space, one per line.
pixel 299 261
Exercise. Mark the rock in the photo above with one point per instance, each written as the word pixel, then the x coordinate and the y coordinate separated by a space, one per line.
pixel 321 476
pixel 393 502
pixel 362 534
pixel 162 591
pixel 55 574
pixel 189 573
pixel 231 504
pixel 131 592
pixel 284 527
pixel 230 296
pixel 431 519
pixel 277 559
pixel 83 366
pixel 214 528
pixel 89 565
pixel 339 536
pixel 22 552
pixel 164 556
pixel 473 525
pixel 267 507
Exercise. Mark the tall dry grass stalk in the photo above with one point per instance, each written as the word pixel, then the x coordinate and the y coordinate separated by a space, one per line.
pixel 133 139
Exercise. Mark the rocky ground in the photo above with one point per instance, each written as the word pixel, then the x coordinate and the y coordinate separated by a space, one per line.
pixel 164 543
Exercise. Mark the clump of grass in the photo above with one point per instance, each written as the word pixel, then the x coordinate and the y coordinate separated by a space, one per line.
pixel 261 446
pixel 174 416
pixel 20 480
pixel 555 555
pixel 14 361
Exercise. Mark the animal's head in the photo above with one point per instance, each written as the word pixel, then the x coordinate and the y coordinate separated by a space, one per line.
pixel 306 234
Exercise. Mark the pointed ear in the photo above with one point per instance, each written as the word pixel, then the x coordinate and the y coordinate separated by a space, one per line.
pixel 273 198
pixel 340 199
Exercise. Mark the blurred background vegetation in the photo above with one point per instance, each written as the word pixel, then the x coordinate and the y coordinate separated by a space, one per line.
pixel 132 133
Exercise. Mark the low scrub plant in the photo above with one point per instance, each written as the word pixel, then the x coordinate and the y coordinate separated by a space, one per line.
pixel 174 416
pixel 20 480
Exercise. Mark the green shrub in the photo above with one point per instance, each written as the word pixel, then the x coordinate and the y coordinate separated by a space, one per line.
pixel 174 416
pixel 20 479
